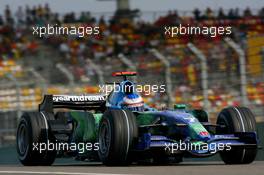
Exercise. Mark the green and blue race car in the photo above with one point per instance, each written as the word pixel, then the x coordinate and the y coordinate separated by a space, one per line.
pixel 120 129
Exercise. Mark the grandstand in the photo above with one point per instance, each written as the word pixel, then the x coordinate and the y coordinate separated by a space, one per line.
pixel 59 64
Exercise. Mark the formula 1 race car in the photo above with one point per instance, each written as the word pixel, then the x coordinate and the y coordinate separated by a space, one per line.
pixel 119 129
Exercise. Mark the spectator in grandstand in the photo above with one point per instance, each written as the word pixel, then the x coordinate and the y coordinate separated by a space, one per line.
pixel 86 17
pixel 55 19
pixel 40 20
pixel 237 15
pixel 40 10
pixel 1 21
pixel 33 12
pixel 20 15
pixel 261 13
pixel 8 16
pixel 28 19
pixel 27 10
pixel 69 18
pixel 102 21
pixel 247 12
pixel 47 11
pixel 197 14
pixel 173 17
pixel 209 13
pixel 221 14
pixel 231 14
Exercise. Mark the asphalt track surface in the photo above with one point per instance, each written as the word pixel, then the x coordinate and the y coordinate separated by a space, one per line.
pixel 185 168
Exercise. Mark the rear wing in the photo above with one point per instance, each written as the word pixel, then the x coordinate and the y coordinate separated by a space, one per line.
pixel 124 74
pixel 77 102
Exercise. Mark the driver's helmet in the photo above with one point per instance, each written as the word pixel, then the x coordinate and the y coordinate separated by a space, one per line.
pixel 133 102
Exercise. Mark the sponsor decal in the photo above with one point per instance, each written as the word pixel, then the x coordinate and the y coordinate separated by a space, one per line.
pixel 77 98
pixel 203 133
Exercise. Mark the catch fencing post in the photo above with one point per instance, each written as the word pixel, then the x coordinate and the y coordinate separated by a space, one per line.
pixel 40 78
pixel 97 70
pixel 67 73
pixel 18 89
pixel 242 69
pixel 168 81
pixel 204 73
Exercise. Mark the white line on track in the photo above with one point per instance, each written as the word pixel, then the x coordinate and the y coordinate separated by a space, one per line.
pixel 54 172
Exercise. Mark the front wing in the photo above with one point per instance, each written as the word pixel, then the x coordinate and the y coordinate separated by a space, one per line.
pixel 198 148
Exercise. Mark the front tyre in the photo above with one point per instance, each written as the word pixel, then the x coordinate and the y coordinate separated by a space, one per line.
pixel 237 119
pixel 117 134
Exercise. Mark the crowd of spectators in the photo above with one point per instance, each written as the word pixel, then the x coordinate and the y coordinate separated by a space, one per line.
pixel 123 36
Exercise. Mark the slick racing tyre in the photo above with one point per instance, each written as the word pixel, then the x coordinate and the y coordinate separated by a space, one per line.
pixel 237 119
pixel 118 132
pixel 32 131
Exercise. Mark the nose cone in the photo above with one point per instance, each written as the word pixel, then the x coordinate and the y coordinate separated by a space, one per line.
pixel 195 129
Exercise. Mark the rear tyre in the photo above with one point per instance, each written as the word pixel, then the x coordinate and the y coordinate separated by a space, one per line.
pixel 237 119
pixel 118 132
pixel 33 130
